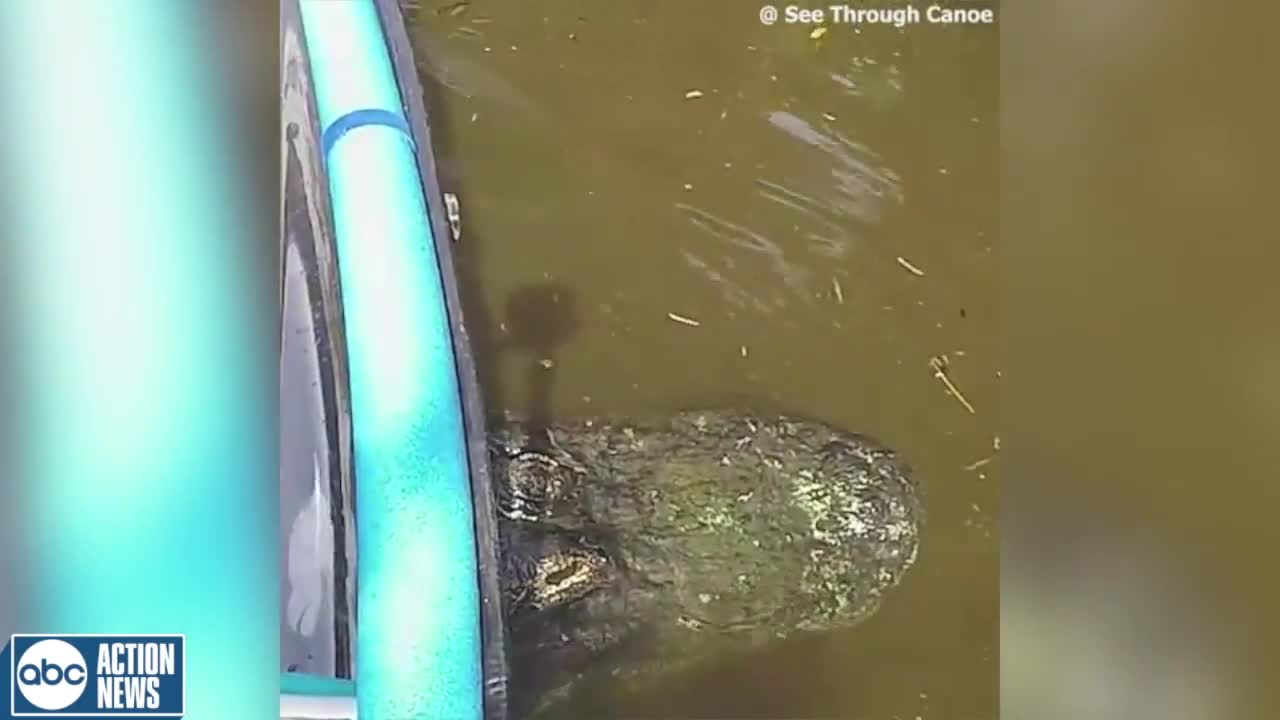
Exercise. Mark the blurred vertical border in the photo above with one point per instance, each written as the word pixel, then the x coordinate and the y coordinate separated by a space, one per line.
pixel 138 344
pixel 1141 407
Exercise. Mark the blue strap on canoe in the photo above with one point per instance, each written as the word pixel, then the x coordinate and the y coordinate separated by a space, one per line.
pixel 364 117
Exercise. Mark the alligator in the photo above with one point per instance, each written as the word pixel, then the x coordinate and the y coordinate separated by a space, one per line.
pixel 629 550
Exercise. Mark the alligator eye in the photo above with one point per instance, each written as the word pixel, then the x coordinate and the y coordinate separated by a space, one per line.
pixel 564 575
pixel 533 481
pixel 568 576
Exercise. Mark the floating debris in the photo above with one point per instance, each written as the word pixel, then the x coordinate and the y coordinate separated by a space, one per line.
pixel 547 363
pixel 828 117
pixel 939 365
pixel 995 448
pixel 743 350
pixel 818 32
pixel 454 9
pixel 909 267
pixel 693 95
pixel 835 287
pixel 453 213
pixel 687 186
pixel 475 116
pixel 684 320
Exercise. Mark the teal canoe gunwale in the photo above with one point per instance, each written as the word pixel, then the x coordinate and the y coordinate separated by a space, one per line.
pixel 423 649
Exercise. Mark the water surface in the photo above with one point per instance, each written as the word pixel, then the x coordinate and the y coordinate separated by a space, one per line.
pixel 669 204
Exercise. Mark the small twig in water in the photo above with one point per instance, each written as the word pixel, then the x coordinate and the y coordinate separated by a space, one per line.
pixel 684 320
pixel 939 365
pixel 454 9
pixel 910 268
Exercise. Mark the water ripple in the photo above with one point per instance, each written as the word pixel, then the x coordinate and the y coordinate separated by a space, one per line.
pixel 825 213
pixel 861 189
pixel 794 276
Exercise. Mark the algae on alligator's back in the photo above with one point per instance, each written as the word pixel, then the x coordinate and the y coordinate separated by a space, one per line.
pixel 691 535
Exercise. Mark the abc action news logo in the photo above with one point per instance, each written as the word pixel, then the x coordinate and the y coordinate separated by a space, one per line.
pixel 97 676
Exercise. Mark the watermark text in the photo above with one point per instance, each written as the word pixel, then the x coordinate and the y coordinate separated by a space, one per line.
pixel 900 16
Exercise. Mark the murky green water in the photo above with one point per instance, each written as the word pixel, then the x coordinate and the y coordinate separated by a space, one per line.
pixel 806 233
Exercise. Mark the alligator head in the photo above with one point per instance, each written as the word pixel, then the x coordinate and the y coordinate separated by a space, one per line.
pixel 631 549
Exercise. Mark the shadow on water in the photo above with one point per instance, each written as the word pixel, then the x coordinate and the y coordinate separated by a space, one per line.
pixel 540 319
